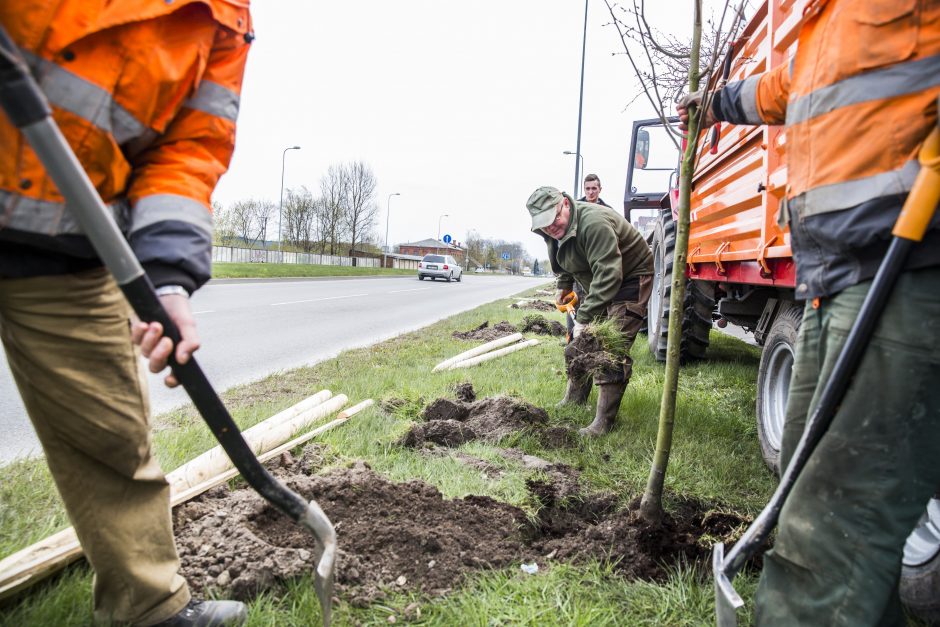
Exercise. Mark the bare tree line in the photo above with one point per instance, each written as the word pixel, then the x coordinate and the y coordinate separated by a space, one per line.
pixel 489 253
pixel 337 220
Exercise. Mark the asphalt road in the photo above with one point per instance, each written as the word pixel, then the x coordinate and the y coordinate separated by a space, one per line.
pixel 250 329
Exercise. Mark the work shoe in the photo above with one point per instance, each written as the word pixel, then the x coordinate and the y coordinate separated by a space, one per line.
pixel 608 404
pixel 575 393
pixel 208 614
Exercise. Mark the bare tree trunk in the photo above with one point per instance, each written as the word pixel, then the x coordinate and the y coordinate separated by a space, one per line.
pixel 651 506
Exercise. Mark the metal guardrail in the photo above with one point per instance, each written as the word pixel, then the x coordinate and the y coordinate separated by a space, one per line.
pixel 228 254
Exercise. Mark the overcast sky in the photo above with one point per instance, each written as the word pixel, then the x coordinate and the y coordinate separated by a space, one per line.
pixel 462 107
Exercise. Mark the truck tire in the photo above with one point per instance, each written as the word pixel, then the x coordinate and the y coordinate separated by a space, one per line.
pixel 773 381
pixel 920 570
pixel 698 305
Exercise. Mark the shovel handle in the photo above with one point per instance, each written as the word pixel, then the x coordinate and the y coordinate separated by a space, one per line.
pixel 918 209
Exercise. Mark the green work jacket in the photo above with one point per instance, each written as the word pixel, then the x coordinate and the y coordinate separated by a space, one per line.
pixel 600 250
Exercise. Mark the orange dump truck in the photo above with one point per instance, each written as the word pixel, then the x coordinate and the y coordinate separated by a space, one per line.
pixel 740 267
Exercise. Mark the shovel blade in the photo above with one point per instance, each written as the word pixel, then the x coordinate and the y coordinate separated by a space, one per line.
pixel 317 522
pixel 324 588
pixel 727 601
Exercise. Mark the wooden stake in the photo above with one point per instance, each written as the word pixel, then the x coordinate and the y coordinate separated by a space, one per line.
pixel 260 438
pixel 479 350
pixel 493 355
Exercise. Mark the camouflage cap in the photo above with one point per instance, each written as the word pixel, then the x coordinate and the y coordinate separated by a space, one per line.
pixel 542 205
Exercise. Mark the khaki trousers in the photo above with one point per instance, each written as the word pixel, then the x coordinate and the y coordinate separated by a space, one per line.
pixel 67 340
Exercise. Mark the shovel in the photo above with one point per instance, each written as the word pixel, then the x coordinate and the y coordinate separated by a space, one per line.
pixel 569 308
pixel 26 106
pixel 909 229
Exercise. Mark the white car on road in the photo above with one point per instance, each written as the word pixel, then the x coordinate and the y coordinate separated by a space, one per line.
pixel 439 267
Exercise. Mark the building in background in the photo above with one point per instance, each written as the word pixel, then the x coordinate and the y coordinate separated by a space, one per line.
pixel 434 247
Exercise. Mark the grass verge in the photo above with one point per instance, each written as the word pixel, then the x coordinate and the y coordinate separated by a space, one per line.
pixel 715 458
pixel 290 270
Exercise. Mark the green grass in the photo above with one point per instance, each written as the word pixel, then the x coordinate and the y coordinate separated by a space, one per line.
pixel 272 270
pixel 715 458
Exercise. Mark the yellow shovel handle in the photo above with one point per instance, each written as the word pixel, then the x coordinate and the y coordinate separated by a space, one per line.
pixel 921 202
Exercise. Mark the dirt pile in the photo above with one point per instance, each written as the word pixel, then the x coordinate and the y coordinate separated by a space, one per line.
pixel 485 332
pixel 541 325
pixel 391 536
pixel 537 305
pixel 407 537
pixel 451 423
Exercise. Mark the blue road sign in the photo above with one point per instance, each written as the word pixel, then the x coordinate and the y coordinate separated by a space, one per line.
pixel 506 256
pixel 448 239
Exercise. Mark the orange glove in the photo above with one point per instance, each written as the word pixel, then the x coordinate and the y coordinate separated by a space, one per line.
pixel 565 299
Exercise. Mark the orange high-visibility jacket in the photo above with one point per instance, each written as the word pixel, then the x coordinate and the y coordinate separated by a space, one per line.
pixel 858 99
pixel 147 93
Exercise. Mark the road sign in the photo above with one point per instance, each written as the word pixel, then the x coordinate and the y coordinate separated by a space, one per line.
pixel 506 256
pixel 448 239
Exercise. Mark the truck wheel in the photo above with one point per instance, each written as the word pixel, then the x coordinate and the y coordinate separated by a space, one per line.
pixel 773 381
pixel 697 307
pixel 920 570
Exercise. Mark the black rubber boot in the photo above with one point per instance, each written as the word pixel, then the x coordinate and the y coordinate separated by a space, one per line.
pixel 208 614
pixel 575 393
pixel 608 404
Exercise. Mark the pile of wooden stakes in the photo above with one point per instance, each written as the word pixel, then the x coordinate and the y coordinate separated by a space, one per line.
pixel 485 352
pixel 267 439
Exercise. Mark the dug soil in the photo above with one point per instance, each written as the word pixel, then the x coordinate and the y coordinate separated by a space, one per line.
pixel 408 537
pixel 451 423
pixel 486 333
pixel 537 305
pixel 541 325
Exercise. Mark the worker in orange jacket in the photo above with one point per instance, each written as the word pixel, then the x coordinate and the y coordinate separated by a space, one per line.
pixel 858 99
pixel 147 94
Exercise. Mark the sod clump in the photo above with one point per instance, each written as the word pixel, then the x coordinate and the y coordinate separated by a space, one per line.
pixel 540 325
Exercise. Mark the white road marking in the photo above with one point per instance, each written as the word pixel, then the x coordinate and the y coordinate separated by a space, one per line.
pixel 316 300
pixel 417 289
pixel 196 313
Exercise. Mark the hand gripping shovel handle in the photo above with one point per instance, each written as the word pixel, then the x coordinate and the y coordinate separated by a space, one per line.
pixel 27 108
pixel 908 230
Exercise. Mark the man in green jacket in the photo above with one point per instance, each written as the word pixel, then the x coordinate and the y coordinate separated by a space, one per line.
pixel 599 248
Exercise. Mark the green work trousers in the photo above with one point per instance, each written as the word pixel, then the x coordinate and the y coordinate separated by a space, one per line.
pixel 837 556
pixel 67 340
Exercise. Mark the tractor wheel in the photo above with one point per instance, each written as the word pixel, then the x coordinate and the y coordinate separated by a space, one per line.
pixel 773 381
pixel 697 307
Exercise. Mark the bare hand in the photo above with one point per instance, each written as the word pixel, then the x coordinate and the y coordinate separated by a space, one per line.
pixel 156 347
pixel 682 110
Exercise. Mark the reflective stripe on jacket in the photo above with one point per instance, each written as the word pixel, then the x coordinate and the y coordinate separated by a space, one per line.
pixel 147 94
pixel 600 250
pixel 858 99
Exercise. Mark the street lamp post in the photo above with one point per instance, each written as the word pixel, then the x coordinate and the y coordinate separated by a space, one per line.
pixel 280 207
pixel 581 158
pixel 577 176
pixel 388 209
pixel 443 215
